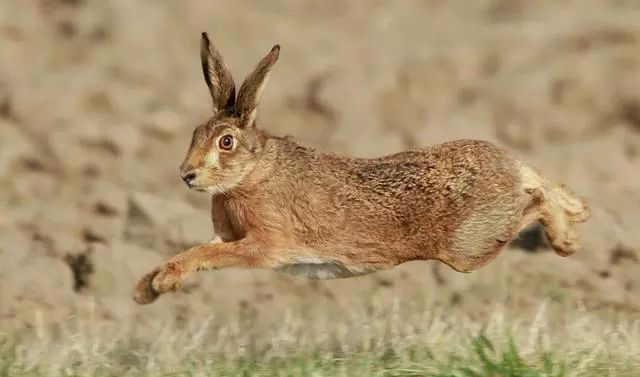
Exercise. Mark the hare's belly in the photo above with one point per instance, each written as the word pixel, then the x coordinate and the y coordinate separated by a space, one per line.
pixel 316 268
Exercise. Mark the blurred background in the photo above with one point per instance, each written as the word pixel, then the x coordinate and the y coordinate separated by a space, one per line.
pixel 98 100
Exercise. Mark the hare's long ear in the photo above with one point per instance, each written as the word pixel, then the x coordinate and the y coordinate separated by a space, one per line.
pixel 251 90
pixel 217 76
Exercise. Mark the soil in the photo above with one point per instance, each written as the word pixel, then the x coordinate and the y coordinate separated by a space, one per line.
pixel 98 101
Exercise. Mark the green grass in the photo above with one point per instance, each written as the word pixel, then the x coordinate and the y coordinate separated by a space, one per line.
pixel 482 359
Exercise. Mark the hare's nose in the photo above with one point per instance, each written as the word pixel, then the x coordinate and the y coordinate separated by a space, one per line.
pixel 188 177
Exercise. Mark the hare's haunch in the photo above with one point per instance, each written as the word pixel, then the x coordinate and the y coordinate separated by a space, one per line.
pixel 281 205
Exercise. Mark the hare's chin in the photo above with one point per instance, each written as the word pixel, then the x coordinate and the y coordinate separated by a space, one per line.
pixel 213 190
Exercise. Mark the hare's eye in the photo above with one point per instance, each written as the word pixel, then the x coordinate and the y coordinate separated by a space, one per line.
pixel 226 142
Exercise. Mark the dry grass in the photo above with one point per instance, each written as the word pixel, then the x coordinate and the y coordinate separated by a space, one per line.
pixel 555 341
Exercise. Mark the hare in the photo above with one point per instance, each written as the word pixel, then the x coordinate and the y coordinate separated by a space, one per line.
pixel 281 205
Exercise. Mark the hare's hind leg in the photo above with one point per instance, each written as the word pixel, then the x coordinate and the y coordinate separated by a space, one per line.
pixel 557 210
pixel 486 231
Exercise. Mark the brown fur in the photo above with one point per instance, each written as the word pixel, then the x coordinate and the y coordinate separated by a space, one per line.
pixel 278 204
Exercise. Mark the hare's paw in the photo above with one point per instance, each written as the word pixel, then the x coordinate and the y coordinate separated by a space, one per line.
pixel 143 293
pixel 161 280
pixel 169 278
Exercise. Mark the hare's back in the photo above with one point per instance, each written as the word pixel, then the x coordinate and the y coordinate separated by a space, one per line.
pixel 471 169
pixel 436 194
pixel 458 173
pixel 444 181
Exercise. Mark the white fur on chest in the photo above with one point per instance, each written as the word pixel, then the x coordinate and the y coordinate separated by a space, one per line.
pixel 316 268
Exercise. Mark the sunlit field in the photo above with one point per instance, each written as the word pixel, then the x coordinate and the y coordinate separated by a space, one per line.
pixel 98 102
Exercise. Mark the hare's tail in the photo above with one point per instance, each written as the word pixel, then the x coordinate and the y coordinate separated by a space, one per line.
pixel 557 208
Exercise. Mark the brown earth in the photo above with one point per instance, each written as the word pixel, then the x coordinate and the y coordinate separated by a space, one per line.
pixel 98 101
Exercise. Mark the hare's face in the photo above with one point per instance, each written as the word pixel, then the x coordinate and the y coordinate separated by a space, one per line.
pixel 220 156
pixel 225 150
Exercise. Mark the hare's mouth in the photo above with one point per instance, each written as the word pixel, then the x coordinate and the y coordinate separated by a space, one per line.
pixel 211 189
pixel 198 187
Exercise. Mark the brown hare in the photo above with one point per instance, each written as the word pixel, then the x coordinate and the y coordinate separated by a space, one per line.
pixel 281 205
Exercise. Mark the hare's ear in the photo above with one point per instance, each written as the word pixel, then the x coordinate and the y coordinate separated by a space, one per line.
pixel 251 90
pixel 217 76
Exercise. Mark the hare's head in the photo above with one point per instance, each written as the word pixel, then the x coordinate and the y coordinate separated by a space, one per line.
pixel 225 149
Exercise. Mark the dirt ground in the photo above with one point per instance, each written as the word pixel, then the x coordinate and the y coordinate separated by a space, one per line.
pixel 98 100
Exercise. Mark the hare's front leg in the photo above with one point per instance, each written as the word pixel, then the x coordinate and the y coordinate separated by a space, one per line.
pixel 169 276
